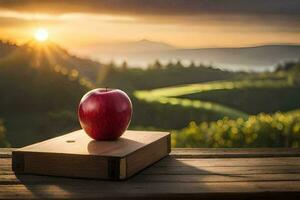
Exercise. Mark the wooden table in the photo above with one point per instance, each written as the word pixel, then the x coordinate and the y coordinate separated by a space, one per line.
pixel 185 174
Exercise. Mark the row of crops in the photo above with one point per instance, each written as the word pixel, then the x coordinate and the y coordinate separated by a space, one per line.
pixel 262 130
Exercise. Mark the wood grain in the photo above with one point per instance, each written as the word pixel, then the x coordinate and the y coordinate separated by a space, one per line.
pixel 140 159
pixel 234 152
pixel 79 143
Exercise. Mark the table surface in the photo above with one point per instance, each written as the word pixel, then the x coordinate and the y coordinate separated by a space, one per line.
pixel 185 174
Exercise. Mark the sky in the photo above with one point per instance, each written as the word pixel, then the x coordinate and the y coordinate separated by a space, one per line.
pixel 181 23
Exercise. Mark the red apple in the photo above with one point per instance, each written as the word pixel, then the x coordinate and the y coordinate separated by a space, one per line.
pixel 105 114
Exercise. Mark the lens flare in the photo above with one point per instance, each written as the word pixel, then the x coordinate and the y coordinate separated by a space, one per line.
pixel 41 35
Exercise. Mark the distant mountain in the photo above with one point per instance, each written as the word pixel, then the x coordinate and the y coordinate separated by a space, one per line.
pixel 141 46
pixel 257 58
pixel 141 53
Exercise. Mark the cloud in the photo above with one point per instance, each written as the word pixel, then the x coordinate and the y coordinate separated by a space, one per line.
pixel 12 22
pixel 158 7
pixel 156 10
pixel 29 16
pixel 10 18
pixel 265 12
pixel 17 19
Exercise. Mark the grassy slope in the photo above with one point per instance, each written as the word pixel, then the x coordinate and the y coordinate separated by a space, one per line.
pixel 173 95
pixel 38 101
pixel 254 100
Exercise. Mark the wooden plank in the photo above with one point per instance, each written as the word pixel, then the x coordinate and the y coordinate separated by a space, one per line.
pixel 207 166
pixel 222 170
pixel 209 162
pixel 5 152
pixel 234 152
pixel 216 178
pixel 170 168
pixel 11 179
pixel 243 165
pixel 273 161
pixel 142 190
pixel 215 152
pixel 6 163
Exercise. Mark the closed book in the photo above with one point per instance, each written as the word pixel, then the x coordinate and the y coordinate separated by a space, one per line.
pixel 77 155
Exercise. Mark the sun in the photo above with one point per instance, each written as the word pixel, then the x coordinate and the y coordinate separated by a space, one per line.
pixel 41 34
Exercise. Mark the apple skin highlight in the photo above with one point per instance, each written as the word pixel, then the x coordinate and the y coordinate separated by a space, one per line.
pixel 105 114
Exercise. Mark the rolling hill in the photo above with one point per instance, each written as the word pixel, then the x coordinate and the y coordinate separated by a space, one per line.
pixel 50 55
pixel 141 53
pixel 39 93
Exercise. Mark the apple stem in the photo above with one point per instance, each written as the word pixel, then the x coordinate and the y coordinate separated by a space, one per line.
pixel 105 89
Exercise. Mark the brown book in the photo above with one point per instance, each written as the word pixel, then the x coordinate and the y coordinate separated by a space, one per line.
pixel 77 155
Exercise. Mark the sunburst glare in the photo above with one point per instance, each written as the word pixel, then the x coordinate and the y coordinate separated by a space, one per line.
pixel 41 34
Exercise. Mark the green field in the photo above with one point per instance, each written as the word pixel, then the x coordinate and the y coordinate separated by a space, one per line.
pixel 174 95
